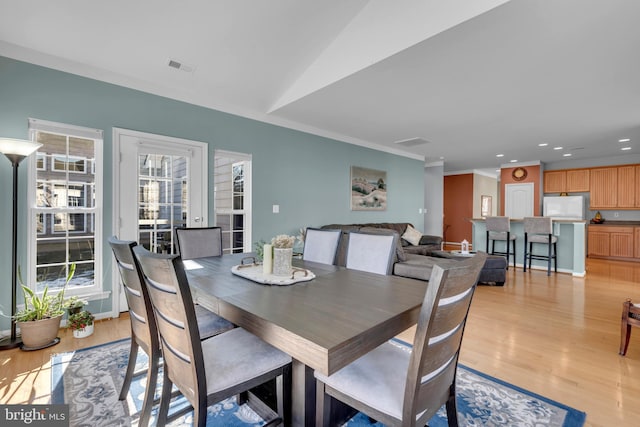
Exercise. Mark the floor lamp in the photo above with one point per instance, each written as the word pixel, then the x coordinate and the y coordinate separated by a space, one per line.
pixel 15 150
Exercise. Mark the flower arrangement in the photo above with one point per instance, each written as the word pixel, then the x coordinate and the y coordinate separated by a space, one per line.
pixel 283 241
pixel 80 320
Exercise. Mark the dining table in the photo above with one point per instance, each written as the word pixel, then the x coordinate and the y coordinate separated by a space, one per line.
pixel 323 324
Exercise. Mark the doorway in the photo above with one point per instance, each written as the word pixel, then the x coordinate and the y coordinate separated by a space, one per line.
pixel 518 200
pixel 160 183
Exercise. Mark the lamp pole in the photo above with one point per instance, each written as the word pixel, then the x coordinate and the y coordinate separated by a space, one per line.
pixel 15 151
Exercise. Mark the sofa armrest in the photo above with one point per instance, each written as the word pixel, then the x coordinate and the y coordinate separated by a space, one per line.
pixel 430 240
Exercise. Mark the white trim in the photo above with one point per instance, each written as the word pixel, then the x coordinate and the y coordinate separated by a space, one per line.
pixel 96 135
pixel 171 145
pixel 53 127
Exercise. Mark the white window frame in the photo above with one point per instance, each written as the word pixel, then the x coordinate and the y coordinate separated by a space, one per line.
pixel 95 291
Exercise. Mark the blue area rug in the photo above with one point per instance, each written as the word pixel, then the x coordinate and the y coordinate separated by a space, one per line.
pixel 89 380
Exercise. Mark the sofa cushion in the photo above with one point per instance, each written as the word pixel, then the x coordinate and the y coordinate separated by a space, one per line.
pixel 412 235
pixel 420 266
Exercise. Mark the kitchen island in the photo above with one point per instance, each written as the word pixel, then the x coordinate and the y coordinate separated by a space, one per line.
pixel 571 244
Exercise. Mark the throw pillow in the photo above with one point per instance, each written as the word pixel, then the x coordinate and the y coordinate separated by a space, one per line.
pixel 412 235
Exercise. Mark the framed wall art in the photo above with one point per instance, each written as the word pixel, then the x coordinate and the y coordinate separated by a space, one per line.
pixel 368 189
pixel 485 206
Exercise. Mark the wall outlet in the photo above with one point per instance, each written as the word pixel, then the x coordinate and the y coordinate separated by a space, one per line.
pixel 276 208
pixel 616 214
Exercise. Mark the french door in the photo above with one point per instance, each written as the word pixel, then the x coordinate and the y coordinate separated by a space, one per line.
pixel 160 184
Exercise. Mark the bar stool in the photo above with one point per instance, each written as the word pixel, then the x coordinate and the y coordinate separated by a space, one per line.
pixel 499 228
pixel 539 229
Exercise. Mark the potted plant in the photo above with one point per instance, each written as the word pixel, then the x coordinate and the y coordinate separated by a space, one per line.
pixel 81 323
pixel 39 319
pixel 74 305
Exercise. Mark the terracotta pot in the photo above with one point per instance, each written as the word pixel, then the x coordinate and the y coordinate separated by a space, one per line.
pixel 38 333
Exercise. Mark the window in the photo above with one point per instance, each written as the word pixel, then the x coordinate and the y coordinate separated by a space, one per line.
pixel 65 202
pixel 232 179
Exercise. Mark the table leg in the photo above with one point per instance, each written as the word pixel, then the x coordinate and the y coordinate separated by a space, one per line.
pixel 303 395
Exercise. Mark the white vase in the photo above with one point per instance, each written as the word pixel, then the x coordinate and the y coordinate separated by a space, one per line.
pixel 84 332
pixel 282 261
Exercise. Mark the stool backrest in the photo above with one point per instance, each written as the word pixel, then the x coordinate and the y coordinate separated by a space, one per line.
pixel 498 223
pixel 538 225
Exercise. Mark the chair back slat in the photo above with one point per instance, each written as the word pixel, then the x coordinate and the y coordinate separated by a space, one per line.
pixel 321 245
pixel 438 337
pixel 168 288
pixel 199 242
pixel 371 252
pixel 143 325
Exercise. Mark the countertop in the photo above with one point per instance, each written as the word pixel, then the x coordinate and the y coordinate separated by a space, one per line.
pixel 615 223
pixel 561 221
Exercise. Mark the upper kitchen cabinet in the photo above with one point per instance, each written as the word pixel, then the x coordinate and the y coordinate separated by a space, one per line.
pixel 566 181
pixel 603 186
pixel 627 186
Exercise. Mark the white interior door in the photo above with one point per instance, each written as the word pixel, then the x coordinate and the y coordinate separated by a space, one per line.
pixel 160 184
pixel 518 200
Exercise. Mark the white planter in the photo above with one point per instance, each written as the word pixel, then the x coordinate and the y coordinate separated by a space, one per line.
pixel 83 333
pixel 282 261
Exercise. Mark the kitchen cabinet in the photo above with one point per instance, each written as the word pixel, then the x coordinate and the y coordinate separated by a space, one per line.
pixel 555 181
pixel 637 186
pixel 613 241
pixel 577 180
pixel 626 186
pixel 598 243
pixel 566 181
pixel 603 186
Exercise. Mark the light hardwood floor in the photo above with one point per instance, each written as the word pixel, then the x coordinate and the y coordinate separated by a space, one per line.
pixel 557 336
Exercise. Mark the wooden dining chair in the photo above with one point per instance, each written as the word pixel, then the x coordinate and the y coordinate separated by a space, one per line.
pixel 372 252
pixel 321 245
pixel 630 317
pixel 208 371
pixel 199 242
pixel 406 388
pixel 144 332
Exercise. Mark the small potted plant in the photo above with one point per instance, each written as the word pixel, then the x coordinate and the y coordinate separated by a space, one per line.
pixel 81 323
pixel 74 305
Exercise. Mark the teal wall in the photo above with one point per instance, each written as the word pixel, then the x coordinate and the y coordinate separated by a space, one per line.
pixel 307 175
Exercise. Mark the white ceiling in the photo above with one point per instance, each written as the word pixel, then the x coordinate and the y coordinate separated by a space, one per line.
pixel 473 78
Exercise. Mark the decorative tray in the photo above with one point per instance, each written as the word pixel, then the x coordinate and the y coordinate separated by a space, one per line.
pixel 254 273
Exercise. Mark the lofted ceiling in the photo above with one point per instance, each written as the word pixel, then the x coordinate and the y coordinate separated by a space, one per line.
pixel 459 81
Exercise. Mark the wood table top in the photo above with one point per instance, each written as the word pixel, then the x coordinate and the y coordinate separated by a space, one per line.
pixel 325 323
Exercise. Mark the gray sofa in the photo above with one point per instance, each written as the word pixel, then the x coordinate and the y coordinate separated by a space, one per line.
pixel 427 244
pixel 416 262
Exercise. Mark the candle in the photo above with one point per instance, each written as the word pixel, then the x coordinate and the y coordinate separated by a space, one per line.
pixel 267 259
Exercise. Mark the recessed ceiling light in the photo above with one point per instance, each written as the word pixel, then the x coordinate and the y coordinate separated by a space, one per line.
pixel 499 155
pixel 512 161
pixel 544 144
pixel 557 148
pixel 624 140
pixel 567 154
pixel 626 148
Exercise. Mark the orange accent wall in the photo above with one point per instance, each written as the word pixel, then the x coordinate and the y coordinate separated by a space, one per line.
pixel 533 175
pixel 458 207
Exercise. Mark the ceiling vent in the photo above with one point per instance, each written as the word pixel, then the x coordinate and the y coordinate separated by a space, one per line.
pixel 180 66
pixel 412 142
